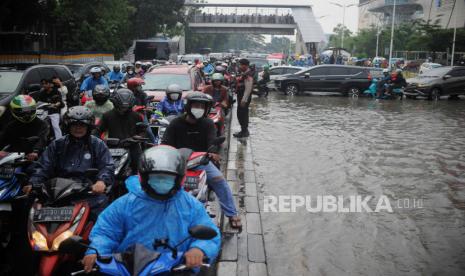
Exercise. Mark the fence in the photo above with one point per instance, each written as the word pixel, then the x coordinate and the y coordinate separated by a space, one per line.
pixel 438 57
pixel 46 57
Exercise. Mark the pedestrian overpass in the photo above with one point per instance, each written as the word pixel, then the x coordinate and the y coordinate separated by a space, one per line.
pixel 274 19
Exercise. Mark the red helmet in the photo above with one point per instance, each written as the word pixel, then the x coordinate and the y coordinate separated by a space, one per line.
pixel 133 83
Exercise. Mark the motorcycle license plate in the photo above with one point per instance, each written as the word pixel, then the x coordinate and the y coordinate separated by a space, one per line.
pixel 7 172
pixel 5 207
pixel 192 183
pixel 117 152
pixel 53 214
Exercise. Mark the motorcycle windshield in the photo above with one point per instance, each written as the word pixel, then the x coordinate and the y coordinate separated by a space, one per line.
pixel 136 258
pixel 61 188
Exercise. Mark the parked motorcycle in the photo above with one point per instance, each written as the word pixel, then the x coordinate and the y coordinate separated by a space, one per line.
pixel 139 260
pixel 59 211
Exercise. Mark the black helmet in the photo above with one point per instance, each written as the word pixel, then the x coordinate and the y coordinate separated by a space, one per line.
pixel 123 100
pixel 100 94
pixel 79 114
pixel 116 68
pixel 162 159
pixel 197 97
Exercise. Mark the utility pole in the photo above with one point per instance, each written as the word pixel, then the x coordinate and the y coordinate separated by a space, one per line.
pixel 392 32
pixel 453 40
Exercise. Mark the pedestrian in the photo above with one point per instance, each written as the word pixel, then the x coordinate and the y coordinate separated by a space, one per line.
pixel 244 97
pixel 63 91
pixel 332 59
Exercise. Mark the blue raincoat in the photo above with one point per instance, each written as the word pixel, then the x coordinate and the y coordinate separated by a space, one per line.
pixel 138 218
pixel 168 107
pixel 89 84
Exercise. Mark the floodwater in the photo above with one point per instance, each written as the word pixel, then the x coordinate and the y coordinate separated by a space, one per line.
pixel 412 152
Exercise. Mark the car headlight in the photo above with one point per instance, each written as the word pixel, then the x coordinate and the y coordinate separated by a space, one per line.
pixel 423 84
pixel 2 110
pixel 39 242
pixel 57 241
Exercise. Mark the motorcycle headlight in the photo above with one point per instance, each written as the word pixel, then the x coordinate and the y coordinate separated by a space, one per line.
pixel 39 242
pixel 57 241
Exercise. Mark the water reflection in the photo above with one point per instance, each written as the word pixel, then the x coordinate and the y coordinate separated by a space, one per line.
pixel 314 145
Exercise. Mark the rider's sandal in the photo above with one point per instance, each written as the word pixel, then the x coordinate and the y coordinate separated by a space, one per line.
pixel 235 222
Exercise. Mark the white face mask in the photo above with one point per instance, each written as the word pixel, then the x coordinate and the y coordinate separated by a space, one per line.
pixel 174 97
pixel 197 112
pixel 130 72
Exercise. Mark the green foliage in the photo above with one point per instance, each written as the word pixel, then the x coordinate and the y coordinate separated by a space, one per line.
pixel 280 45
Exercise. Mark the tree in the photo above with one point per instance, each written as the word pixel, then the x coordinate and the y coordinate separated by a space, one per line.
pixel 280 45
pixel 336 38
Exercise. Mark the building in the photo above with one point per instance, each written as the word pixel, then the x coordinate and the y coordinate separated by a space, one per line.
pixel 447 13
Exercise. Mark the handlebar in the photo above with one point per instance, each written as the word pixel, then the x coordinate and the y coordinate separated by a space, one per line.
pixel 83 272
pixel 182 267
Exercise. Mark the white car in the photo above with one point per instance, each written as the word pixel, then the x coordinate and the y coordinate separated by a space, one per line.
pixel 278 71
pixel 428 66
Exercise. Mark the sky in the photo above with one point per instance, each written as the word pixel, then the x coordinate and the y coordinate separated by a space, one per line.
pixel 331 14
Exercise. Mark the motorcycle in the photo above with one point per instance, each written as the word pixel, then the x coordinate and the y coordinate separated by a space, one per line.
pixel 373 90
pixel 120 152
pixel 217 116
pixel 139 260
pixel 196 180
pixel 59 211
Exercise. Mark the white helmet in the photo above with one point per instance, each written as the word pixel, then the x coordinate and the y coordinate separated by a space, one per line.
pixel 385 71
pixel 95 70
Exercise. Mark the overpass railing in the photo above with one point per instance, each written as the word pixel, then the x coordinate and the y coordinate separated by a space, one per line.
pixel 241 18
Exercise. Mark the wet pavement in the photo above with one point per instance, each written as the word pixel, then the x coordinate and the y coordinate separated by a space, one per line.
pixel 406 150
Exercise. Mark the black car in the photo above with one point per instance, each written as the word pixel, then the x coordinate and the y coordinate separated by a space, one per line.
pixel 437 82
pixel 16 81
pixel 349 80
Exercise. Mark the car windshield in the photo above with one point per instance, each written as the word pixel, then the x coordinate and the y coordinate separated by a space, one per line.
pixel 191 58
pixel 161 81
pixel 9 81
pixel 259 63
pixel 436 72
pixel 75 68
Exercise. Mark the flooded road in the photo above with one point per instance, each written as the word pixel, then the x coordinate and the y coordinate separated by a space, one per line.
pixel 410 150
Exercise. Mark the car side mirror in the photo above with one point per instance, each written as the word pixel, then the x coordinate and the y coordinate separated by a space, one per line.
pixel 202 232
pixel 307 75
pixel 446 77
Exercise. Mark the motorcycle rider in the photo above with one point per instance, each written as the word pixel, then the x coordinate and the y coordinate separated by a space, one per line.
pixel 217 91
pixel 135 85
pixel 398 80
pixel 100 103
pixel 166 210
pixel 383 82
pixel 50 94
pixel 138 69
pixel 116 75
pixel 262 83
pixel 172 104
pixel 121 122
pixel 90 82
pixel 129 73
pixel 195 131
pixel 73 154
pixel 244 96
pixel 25 125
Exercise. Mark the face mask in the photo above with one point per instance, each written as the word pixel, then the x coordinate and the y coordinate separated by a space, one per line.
pixel 174 97
pixel 130 72
pixel 161 183
pixel 197 112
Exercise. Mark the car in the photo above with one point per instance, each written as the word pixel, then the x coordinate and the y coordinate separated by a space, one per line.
pixel 159 78
pixel 349 80
pixel 428 66
pixel 191 58
pixel 15 82
pixel 437 82
pixel 259 63
pixel 278 71
pixel 122 64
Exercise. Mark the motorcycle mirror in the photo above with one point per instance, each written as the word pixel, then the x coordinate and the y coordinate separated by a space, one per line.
pixel 112 142
pixel 202 232
pixel 72 245
pixel 91 173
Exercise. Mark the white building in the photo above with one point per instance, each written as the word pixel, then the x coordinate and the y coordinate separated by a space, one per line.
pixel 447 13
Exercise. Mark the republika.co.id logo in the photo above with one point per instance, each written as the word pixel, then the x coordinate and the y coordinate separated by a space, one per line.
pixel 338 204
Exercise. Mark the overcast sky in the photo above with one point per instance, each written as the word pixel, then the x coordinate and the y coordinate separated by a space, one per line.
pixel 333 14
